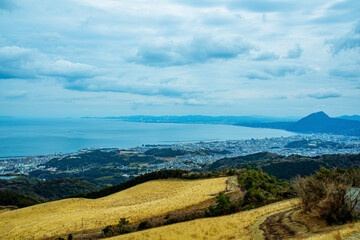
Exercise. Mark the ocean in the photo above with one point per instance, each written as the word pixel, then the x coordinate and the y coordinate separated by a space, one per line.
pixel 25 137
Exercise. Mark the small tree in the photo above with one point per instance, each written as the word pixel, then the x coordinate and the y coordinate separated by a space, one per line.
pixel 223 206
pixel 122 225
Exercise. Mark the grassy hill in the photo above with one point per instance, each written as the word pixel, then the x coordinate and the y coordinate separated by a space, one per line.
pixel 168 198
pixel 283 217
pixel 136 203
pixel 235 226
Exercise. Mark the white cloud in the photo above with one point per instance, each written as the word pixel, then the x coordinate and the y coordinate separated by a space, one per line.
pixel 199 49
pixel 196 54
pixel 16 62
pixel 296 52
pixel 346 42
pixel 266 56
pixel 322 93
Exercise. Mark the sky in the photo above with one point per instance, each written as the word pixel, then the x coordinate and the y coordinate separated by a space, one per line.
pixel 75 58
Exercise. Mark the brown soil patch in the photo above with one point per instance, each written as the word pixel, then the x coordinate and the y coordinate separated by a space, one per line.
pixel 288 224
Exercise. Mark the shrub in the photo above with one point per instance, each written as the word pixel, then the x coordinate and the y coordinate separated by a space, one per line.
pixel 223 206
pixel 143 225
pixel 254 197
pixel 328 195
pixel 122 227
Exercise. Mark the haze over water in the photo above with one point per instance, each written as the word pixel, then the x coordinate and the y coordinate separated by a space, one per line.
pixel 22 137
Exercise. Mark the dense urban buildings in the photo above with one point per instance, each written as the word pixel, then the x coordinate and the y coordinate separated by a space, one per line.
pixel 305 145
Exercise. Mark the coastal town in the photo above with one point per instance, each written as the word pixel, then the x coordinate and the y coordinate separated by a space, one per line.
pixel 304 145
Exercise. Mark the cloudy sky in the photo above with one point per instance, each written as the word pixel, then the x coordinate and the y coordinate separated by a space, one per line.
pixel 74 58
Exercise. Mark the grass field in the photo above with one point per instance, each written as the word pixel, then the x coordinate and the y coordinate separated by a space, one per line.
pixel 136 203
pixel 235 226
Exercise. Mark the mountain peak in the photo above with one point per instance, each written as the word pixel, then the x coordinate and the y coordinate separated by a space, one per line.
pixel 318 115
pixel 312 122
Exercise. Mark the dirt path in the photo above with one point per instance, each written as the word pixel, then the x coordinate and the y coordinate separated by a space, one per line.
pixel 285 224
pixel 256 232
pixel 290 223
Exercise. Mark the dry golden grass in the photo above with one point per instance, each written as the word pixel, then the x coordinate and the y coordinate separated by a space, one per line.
pixel 4 210
pixel 340 232
pixel 235 226
pixel 137 203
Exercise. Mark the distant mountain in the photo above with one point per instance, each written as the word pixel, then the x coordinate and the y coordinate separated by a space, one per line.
pixel 321 123
pixel 353 117
pixel 318 122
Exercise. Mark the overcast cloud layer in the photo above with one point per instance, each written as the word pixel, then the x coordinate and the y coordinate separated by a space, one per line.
pixel 230 57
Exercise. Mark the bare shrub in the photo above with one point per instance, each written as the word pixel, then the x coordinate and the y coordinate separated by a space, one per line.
pixel 328 195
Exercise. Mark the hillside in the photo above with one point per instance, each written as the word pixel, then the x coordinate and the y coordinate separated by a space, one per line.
pixel 98 158
pixel 283 167
pixel 136 203
pixel 318 122
pixel 276 221
pixel 16 199
pixel 235 226
pixel 53 189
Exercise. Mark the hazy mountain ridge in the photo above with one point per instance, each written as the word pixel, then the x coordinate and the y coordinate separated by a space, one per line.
pixel 318 122
pixel 352 117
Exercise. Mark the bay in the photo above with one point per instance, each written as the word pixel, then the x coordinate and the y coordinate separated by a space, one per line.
pixel 24 137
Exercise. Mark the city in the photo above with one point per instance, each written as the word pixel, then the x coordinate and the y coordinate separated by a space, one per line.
pixel 311 145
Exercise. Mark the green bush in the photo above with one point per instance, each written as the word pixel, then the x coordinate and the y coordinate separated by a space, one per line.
pixel 223 206
pixel 122 227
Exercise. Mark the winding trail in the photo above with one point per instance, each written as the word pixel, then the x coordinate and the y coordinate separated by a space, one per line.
pixel 283 226
pixel 289 224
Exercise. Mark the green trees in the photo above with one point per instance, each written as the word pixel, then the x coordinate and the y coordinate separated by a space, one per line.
pixel 223 206
pixel 259 189
pixel 15 199
pixel 123 226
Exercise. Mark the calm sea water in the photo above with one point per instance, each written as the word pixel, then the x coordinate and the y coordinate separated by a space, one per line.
pixel 21 137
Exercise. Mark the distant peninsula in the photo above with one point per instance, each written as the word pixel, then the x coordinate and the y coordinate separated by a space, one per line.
pixel 318 122
pixel 201 119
